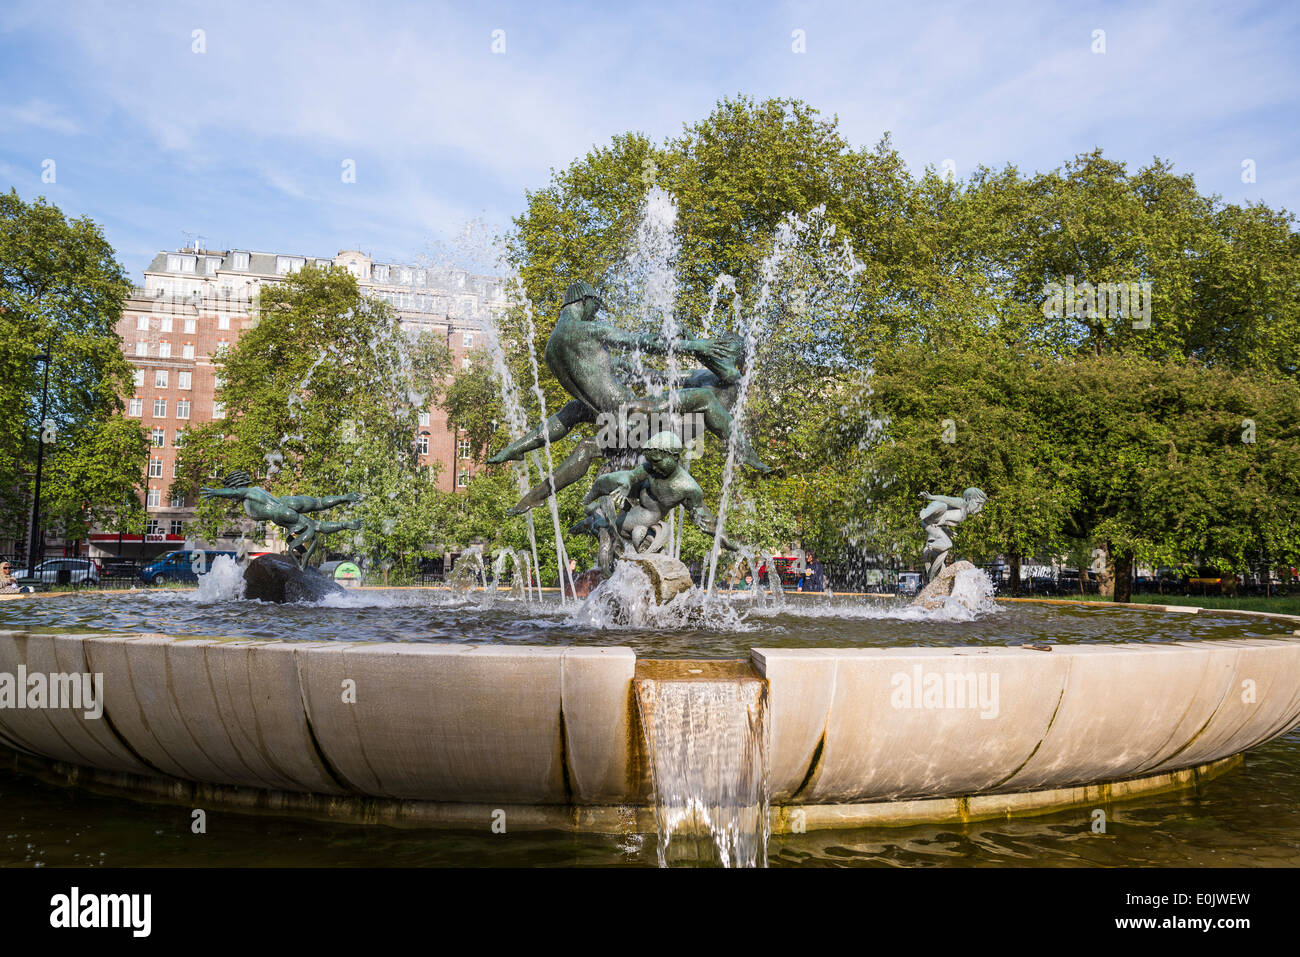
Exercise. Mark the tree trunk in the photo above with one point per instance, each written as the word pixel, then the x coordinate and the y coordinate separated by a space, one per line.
pixel 1102 569
pixel 1123 563
pixel 1015 574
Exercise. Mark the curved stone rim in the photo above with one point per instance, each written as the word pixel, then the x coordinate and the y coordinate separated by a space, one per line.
pixel 445 730
pixel 604 819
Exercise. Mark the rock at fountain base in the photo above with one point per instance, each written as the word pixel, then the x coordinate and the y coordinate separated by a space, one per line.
pixel 936 592
pixel 668 576
pixel 277 578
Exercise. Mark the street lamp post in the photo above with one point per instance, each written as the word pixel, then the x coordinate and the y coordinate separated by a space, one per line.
pixel 35 543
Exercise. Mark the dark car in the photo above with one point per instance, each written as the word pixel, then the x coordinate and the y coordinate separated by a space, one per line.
pixel 181 566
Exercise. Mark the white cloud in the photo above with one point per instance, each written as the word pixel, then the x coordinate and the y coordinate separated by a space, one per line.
pixel 39 114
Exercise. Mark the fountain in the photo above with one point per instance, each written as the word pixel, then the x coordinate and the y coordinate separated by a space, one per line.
pixel 712 718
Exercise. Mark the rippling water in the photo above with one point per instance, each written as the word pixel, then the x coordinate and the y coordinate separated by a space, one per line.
pixel 1247 818
pixel 728 625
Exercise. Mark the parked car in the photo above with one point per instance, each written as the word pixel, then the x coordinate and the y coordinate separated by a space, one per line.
pixel 909 583
pixel 120 568
pixel 62 571
pixel 178 566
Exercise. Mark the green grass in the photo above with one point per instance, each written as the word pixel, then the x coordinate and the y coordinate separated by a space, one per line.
pixel 1280 606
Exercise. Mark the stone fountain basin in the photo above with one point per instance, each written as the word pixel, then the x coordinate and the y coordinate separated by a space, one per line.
pixel 442 733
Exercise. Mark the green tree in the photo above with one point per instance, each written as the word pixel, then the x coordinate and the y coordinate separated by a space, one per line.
pixel 322 396
pixel 61 293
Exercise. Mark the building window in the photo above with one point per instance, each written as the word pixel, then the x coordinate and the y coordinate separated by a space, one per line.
pixel 158 437
pixel 154 499
pixel 218 381
pixel 220 350
pixel 422 445
pixel 164 350
pixel 139 378
pixel 160 379
pixel 462 479
pixel 464 362
pixel 160 408
pixel 223 321
pixel 218 410
pixel 187 351
pixel 190 325
pixel 183 409
pixel 178 527
pixel 152 527
pixel 135 406
pixel 165 324
pixel 178 263
pixel 380 273
pixel 287 264
pixel 178 499
pixel 155 468
pixel 183 379
pixel 462 448
pixel 179 441
pixel 424 418
pixel 211 265
pixel 468 339
pixel 241 261
pixel 142 323
pixel 176 467
pixel 142 348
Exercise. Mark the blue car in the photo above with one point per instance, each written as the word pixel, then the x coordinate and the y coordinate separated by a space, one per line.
pixel 179 566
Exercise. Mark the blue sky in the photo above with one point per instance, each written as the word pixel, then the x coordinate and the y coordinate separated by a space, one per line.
pixel 243 144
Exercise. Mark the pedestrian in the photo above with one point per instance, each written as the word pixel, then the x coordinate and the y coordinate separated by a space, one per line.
pixel 815 577
pixel 8 584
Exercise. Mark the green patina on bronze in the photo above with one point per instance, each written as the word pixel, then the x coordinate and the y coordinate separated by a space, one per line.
pixel 287 512
pixel 630 506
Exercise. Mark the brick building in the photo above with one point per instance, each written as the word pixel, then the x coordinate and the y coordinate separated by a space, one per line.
pixel 196 302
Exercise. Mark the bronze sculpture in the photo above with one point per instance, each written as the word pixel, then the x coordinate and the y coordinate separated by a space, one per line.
pixel 628 508
pixel 287 512
pixel 578 353
pixel 944 512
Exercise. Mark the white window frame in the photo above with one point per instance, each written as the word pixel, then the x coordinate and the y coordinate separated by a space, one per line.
pixel 184 379
pixel 160 378
pixel 182 408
